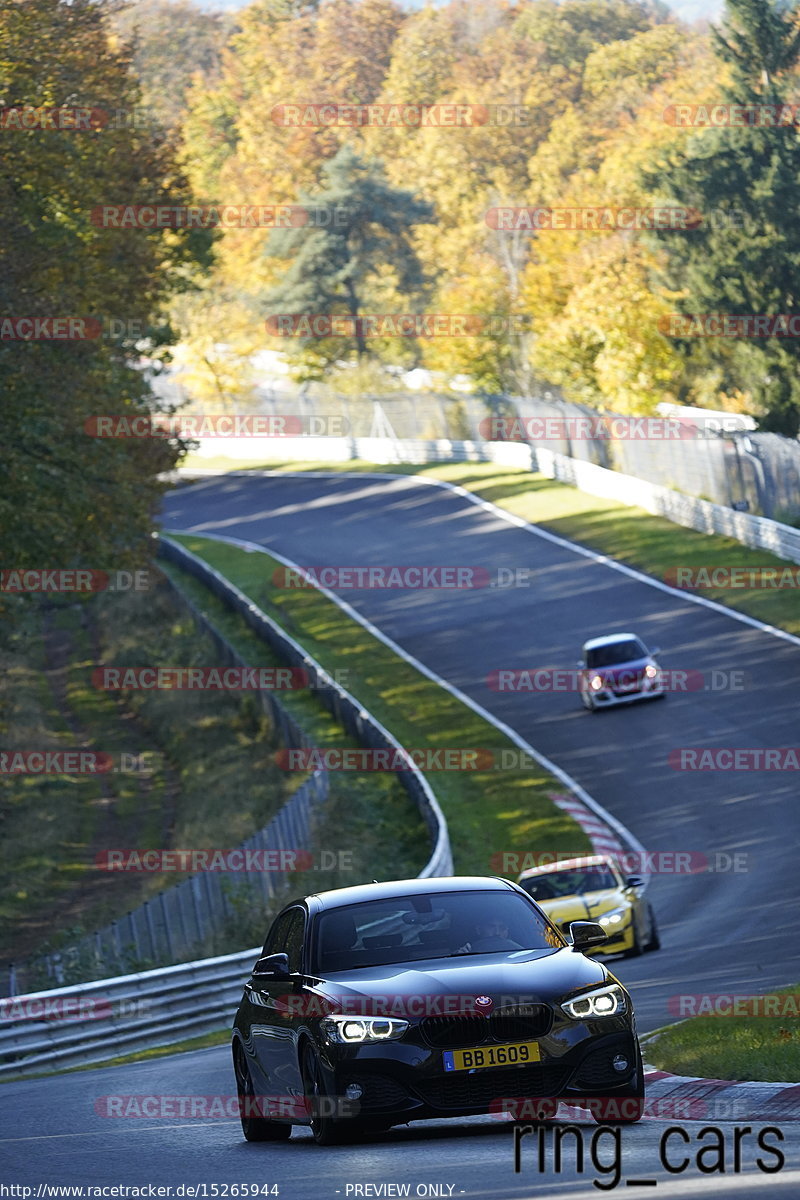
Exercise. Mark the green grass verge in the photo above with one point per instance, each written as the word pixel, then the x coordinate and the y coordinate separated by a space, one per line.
pixel 732 1047
pixel 652 544
pixel 488 811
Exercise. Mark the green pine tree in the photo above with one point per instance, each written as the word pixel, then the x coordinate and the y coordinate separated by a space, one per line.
pixel 356 253
pixel 745 258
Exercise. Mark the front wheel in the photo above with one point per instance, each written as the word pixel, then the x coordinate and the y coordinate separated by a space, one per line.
pixel 655 940
pixel 254 1127
pixel 326 1130
pixel 637 948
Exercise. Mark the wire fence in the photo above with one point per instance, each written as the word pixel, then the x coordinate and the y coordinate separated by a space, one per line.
pixel 209 911
pixel 720 459
pixel 193 916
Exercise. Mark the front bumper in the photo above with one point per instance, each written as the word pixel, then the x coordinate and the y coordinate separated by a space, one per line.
pixel 650 689
pixel 406 1080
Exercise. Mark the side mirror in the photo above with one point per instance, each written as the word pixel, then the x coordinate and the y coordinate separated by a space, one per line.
pixel 654 653
pixel 273 966
pixel 580 663
pixel 634 881
pixel 585 934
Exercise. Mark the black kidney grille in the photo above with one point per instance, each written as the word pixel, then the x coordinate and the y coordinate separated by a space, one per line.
pixel 480 1089
pixel 521 1022
pixel 450 1033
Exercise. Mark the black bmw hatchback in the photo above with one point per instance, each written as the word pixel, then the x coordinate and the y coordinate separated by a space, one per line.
pixel 376 1005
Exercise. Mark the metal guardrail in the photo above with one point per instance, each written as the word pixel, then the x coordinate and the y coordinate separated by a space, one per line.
pixel 92 1022
pixel 344 707
pixel 759 533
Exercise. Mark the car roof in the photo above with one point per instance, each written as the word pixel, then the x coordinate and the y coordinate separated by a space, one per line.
pixel 566 864
pixel 394 889
pixel 609 639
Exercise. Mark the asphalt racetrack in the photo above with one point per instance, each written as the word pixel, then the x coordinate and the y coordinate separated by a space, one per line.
pixel 53 1134
pixel 722 932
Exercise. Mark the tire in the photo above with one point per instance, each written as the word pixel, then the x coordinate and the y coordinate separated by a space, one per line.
pixel 637 948
pixel 325 1130
pixel 588 703
pixel 255 1129
pixel 624 1108
pixel 655 940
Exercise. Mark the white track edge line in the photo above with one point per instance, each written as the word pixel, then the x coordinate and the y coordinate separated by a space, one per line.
pixel 521 523
pixel 623 832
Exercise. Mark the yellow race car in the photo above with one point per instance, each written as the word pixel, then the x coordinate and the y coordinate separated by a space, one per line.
pixel 592 889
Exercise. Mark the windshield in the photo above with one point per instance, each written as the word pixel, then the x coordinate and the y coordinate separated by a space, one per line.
pixel 614 653
pixel 434 925
pixel 574 882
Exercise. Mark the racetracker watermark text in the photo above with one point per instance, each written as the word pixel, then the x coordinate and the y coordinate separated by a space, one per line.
pixel 222 216
pixel 70 580
pixel 238 859
pixel 735 758
pixel 629 862
pixel 734 577
pixel 389 115
pixel 729 325
pixel 222 1107
pixel 335 758
pixel 221 425
pixel 725 1004
pixel 558 679
pixel 593 219
pixel 55 762
pixel 739 116
pixel 391 325
pixel 395 575
pixel 602 427
pixel 188 679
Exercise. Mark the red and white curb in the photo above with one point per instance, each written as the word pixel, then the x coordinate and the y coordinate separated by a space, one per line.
pixel 680 1098
pixel 604 840
pixel 685 1097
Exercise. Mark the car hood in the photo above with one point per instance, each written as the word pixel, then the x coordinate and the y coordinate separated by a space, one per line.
pixel 535 975
pixel 583 908
pixel 623 672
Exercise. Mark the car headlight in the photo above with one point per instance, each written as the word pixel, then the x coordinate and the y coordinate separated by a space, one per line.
pixel 596 682
pixel 613 917
pixel 604 1002
pixel 353 1030
pixel 651 671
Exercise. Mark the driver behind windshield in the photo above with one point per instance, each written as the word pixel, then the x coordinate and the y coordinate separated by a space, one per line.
pixel 489 935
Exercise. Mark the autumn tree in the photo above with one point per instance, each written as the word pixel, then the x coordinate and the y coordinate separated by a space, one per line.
pixel 70 498
pixel 172 41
